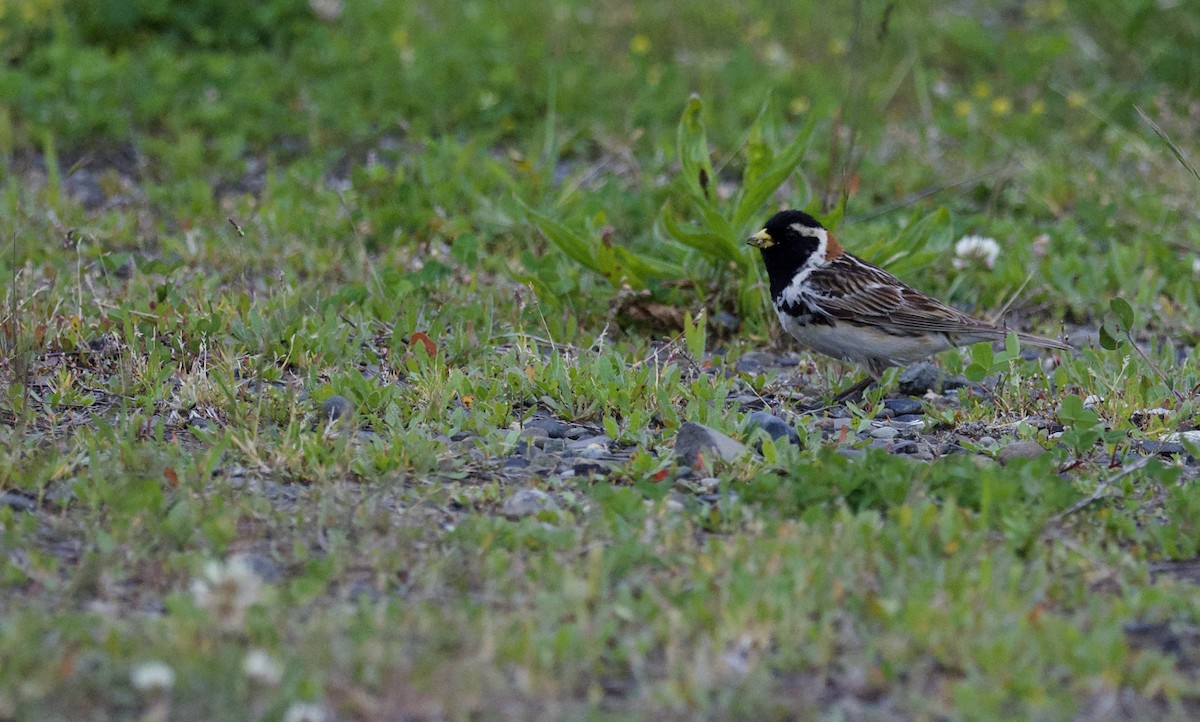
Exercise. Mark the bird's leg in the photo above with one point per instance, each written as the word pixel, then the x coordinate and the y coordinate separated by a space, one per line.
pixel 855 391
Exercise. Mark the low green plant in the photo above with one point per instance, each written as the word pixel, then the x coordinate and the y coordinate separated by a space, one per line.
pixel 717 238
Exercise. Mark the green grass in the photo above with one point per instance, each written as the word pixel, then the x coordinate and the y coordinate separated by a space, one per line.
pixel 456 218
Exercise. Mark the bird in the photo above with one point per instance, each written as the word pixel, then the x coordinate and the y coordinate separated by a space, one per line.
pixel 841 306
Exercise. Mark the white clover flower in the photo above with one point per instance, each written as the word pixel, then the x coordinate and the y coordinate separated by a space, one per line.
pixel 262 668
pixel 1196 266
pixel 152 677
pixel 304 712
pixel 327 10
pixel 227 590
pixel 976 249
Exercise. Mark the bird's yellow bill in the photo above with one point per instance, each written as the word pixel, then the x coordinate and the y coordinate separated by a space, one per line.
pixel 761 239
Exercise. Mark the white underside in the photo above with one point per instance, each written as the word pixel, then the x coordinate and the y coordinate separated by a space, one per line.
pixel 864 345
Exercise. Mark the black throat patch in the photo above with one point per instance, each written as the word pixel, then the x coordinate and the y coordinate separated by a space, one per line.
pixel 785 259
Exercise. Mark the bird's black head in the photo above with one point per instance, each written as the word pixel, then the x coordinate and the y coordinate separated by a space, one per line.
pixel 790 241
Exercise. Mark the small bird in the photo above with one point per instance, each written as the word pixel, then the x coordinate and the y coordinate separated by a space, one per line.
pixel 839 305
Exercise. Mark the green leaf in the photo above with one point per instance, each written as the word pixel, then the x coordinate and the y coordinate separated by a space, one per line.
pixel 1107 341
pixel 976 373
pixel 575 245
pixel 695 334
pixel 760 183
pixel 644 266
pixel 1012 349
pixel 1012 345
pixel 1123 312
pixel 692 148
pixel 710 243
pixel 983 355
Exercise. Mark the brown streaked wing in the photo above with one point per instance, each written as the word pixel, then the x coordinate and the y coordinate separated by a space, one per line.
pixel 850 289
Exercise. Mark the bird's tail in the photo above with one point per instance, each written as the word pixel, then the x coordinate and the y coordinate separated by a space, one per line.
pixel 1028 339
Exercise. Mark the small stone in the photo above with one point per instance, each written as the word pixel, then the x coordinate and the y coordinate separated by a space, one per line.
pixel 756 362
pixel 986 441
pixel 17 501
pixel 261 565
pixel 1020 450
pixel 904 447
pixel 578 444
pixel 554 428
pixel 726 321
pixel 1165 448
pixel 336 407
pixel 1191 437
pixel 534 433
pixel 953 383
pixel 516 462
pixel 694 439
pixel 593 451
pixel 576 432
pixel 885 433
pixel 775 427
pixel 554 446
pixel 908 421
pixel 527 502
pixel 902 407
pixel 919 378
pixel 591 468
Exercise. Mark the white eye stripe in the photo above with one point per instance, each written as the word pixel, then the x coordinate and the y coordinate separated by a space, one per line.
pixel 803 230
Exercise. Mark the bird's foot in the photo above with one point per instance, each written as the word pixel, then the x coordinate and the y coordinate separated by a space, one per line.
pixel 855 392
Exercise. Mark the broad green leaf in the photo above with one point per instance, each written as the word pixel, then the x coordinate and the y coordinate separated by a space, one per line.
pixel 983 355
pixel 577 248
pixel 757 190
pixel 976 373
pixel 692 147
pixel 1124 313
pixel 1107 341
pixel 647 266
pixel 1012 349
pixel 713 245
pixel 758 150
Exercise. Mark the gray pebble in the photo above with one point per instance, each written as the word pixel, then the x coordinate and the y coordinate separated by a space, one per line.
pixel 526 502
pixel 534 433
pixel 17 501
pixel 902 407
pixel 775 427
pixel 554 428
pixel 1166 448
pixel 336 407
pixel 591 468
pixel 593 451
pixel 263 566
pixel 756 362
pixel 726 321
pixel 1020 450
pixel 918 379
pixel 694 439
pixel 585 442
pixel 885 432
pixel 516 462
